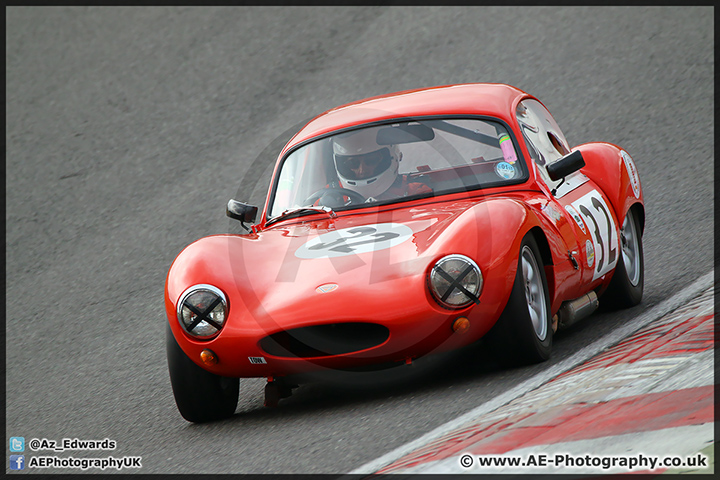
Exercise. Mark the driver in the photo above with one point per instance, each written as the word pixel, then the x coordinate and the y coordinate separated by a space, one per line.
pixel 370 169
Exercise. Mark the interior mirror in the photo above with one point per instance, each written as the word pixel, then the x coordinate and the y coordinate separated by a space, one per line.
pixel 572 162
pixel 241 211
pixel 405 133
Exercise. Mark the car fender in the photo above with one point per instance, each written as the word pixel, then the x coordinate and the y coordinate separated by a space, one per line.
pixel 491 232
pixel 615 172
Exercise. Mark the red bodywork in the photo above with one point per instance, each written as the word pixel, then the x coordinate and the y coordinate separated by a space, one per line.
pixel 269 289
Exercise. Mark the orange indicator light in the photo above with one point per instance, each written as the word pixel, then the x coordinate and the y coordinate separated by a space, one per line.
pixel 461 325
pixel 208 357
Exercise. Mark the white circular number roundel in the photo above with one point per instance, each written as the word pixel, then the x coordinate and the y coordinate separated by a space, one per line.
pixel 602 229
pixel 355 240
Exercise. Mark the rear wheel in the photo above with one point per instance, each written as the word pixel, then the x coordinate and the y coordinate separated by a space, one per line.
pixel 627 283
pixel 523 333
pixel 200 396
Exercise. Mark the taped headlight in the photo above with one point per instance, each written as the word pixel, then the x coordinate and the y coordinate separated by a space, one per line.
pixel 456 281
pixel 202 310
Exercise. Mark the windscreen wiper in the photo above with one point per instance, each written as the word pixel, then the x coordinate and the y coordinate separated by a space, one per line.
pixel 296 212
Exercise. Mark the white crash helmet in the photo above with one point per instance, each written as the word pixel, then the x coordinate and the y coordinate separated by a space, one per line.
pixel 350 147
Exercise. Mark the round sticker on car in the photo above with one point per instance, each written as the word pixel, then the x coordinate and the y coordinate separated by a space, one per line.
pixel 355 240
pixel 505 170
pixel 589 252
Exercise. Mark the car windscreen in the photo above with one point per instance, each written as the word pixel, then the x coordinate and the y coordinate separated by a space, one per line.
pixel 398 161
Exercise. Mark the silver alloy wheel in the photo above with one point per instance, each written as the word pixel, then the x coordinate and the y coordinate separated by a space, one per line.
pixel 534 292
pixel 630 249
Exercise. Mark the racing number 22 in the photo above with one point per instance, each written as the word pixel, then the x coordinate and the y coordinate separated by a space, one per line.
pixel 604 232
pixel 342 244
pixel 355 240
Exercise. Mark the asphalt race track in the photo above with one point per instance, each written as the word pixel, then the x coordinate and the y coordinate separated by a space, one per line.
pixel 128 129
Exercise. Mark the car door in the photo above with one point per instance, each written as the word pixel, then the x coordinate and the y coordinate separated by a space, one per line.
pixel 586 221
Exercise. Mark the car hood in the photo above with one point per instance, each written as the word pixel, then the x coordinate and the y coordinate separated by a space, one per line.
pixel 351 266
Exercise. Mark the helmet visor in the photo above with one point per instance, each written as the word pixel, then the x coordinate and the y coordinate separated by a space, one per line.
pixel 359 167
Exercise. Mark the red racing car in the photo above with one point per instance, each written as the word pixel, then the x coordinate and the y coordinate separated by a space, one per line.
pixel 400 226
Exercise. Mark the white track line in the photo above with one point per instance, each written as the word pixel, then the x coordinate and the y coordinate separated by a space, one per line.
pixel 579 357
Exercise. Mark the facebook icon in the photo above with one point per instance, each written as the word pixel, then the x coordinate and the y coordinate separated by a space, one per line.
pixel 17 462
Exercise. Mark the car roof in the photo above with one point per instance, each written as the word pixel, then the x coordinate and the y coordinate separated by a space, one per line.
pixel 491 99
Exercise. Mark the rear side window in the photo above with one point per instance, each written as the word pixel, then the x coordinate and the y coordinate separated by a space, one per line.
pixel 542 135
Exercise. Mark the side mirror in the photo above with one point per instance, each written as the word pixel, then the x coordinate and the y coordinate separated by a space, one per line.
pixel 241 211
pixel 572 162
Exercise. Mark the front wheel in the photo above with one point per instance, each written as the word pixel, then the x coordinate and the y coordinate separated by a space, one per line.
pixel 627 283
pixel 200 396
pixel 523 333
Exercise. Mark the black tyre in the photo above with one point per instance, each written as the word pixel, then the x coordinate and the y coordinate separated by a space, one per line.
pixel 200 396
pixel 627 283
pixel 523 333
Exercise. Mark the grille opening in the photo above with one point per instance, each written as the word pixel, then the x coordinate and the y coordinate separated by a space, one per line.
pixel 325 340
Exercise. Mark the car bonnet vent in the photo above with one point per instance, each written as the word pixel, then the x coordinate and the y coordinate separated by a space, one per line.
pixel 325 340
